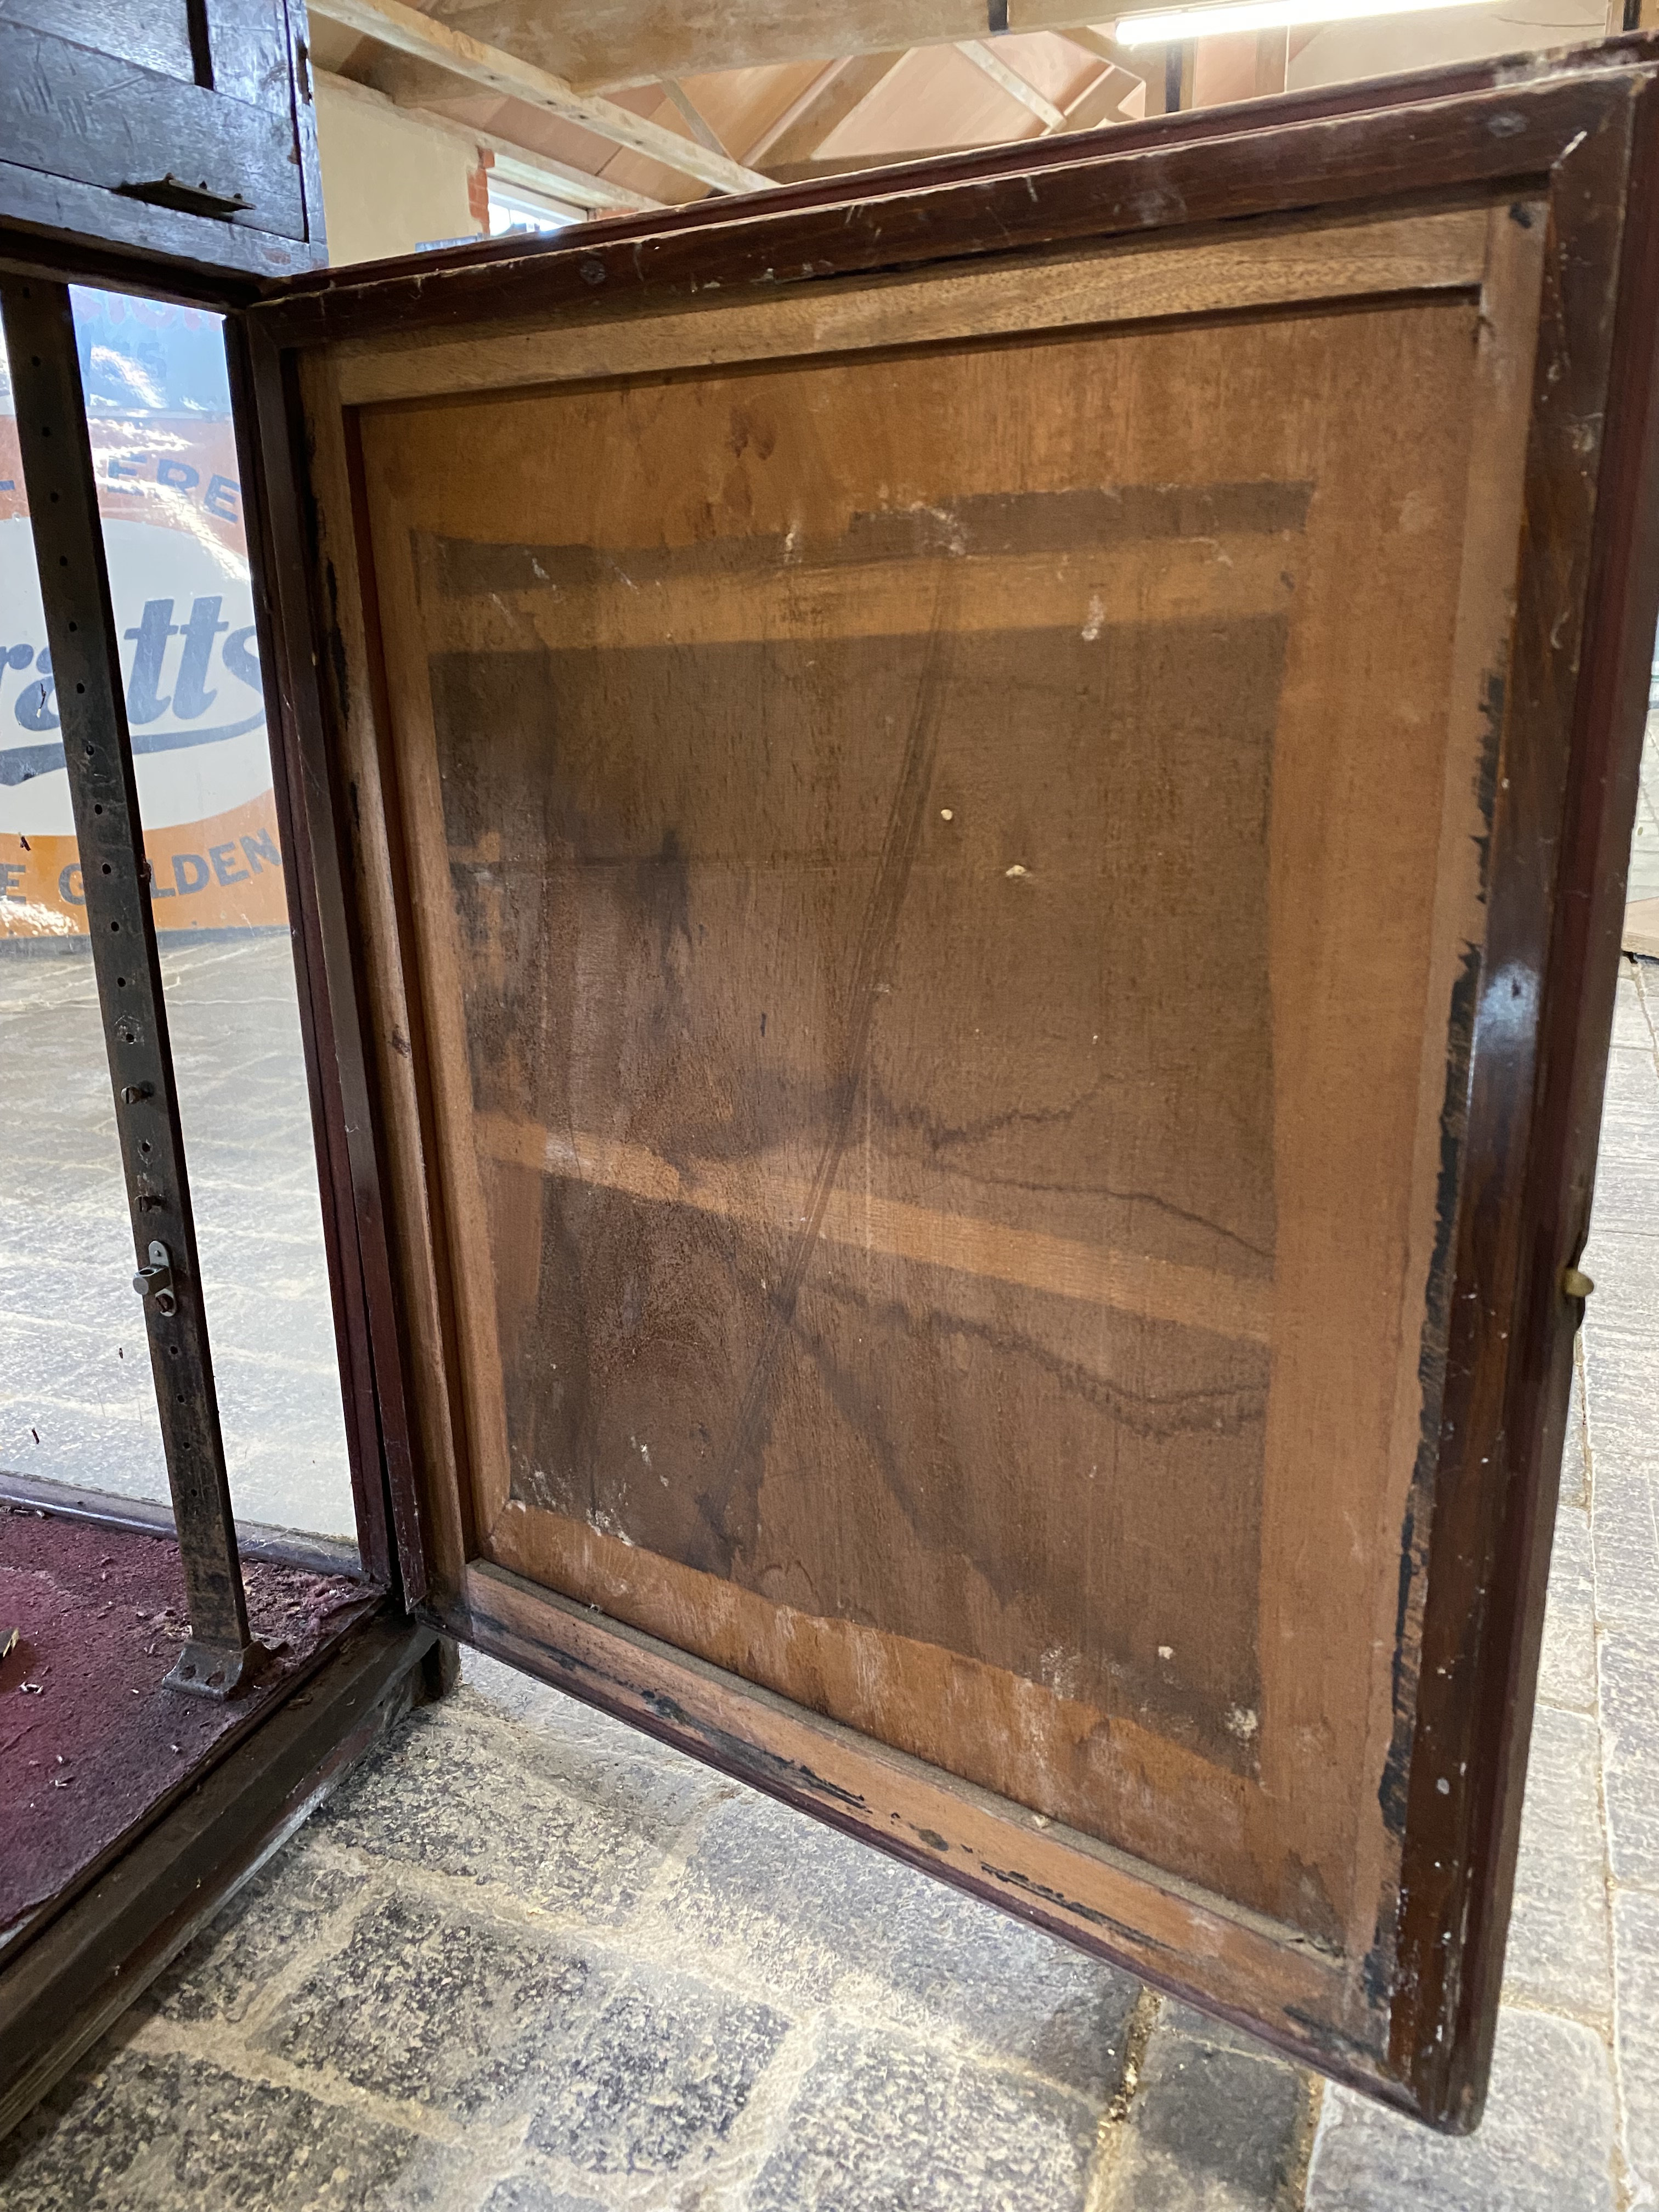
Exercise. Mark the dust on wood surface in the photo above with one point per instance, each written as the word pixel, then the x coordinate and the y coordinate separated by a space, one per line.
pixel 90 1740
pixel 925 874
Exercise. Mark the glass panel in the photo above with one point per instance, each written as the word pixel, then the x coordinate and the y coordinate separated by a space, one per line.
pixel 1644 841
pixel 513 209
pixel 158 413
pixel 76 1402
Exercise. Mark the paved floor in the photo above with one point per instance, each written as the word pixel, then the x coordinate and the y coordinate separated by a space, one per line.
pixel 1643 883
pixel 76 1402
pixel 527 1961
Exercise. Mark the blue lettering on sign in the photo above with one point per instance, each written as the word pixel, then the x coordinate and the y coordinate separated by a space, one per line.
pixel 65 877
pixel 242 664
pixel 156 626
pixel 33 710
pixel 11 874
pixel 188 703
pixel 261 847
pixel 190 697
pixel 223 498
pixel 190 873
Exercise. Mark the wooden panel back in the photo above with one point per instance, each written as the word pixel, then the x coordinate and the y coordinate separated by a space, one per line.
pixel 940 880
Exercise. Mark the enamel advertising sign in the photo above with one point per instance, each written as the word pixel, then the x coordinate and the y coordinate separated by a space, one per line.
pixel 158 408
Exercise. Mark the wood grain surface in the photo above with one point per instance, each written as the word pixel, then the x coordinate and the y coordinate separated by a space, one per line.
pixel 891 887
pixel 100 119
pixel 1274 262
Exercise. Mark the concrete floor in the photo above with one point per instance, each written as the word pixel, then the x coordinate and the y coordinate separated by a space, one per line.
pixel 1643 880
pixel 527 1961
pixel 76 1402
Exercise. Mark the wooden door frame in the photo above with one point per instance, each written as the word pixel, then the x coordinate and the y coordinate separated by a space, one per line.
pixel 92 1949
pixel 1584 133
pixel 228 291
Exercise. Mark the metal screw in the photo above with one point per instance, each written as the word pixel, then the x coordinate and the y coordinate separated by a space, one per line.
pixel 132 1092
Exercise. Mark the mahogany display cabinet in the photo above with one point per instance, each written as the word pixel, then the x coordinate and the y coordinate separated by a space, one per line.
pixel 957 844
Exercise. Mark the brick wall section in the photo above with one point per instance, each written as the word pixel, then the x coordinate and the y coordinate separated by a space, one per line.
pixel 477 190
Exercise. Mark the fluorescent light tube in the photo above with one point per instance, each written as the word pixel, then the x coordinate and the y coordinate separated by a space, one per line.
pixel 1174 25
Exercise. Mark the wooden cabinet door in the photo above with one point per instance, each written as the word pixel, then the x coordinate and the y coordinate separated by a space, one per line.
pixel 172 136
pixel 968 845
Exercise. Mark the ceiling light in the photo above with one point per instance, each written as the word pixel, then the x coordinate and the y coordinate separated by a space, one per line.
pixel 1173 26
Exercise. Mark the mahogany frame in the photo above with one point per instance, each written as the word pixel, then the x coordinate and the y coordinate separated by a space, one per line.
pixel 1585 134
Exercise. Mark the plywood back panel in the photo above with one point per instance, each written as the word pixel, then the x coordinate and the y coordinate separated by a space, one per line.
pixel 939 876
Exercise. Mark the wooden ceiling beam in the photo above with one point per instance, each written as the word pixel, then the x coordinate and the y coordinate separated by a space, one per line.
pixel 523 165
pixel 854 165
pixel 1107 49
pixel 976 50
pixel 823 108
pixel 691 115
pixel 426 39
pixel 604 44
pixel 1101 100
pixel 406 83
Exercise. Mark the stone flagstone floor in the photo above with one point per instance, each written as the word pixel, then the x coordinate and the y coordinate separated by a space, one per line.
pixel 76 1402
pixel 528 1961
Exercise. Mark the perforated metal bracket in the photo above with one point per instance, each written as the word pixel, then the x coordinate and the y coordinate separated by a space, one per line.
pixel 207 1670
pixel 86 680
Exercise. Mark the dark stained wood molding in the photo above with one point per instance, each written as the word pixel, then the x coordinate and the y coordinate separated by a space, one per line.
pixel 292 597
pixel 1495 142
pixel 1127 178
pixel 418 1565
pixel 307 902
pixel 1487 1471
pixel 82 1971
pixel 54 227
pixel 1510 1366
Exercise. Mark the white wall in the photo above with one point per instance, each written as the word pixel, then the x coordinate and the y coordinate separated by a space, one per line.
pixel 1387 45
pixel 389 182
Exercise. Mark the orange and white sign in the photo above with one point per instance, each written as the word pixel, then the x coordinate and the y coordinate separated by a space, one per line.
pixel 180 584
